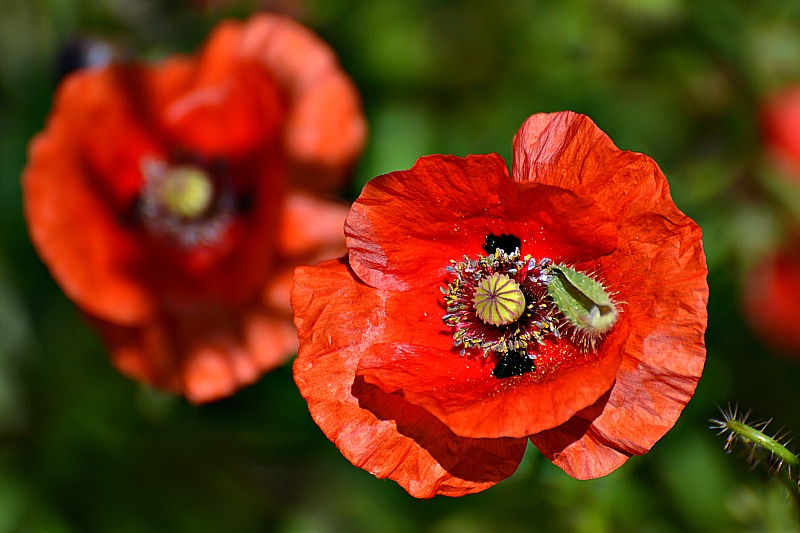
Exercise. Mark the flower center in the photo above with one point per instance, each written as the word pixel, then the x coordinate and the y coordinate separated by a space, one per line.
pixel 508 305
pixel 186 191
pixel 499 300
pixel 499 303
pixel 185 203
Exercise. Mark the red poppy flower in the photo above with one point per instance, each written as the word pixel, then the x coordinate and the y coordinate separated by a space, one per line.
pixel 772 299
pixel 780 117
pixel 168 200
pixel 452 333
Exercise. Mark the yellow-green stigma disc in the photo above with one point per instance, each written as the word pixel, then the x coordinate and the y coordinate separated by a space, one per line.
pixel 186 191
pixel 498 300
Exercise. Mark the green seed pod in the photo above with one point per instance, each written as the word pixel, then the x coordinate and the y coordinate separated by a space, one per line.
pixel 584 302
pixel 498 300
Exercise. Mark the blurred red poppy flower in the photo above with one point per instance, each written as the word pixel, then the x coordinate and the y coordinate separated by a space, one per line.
pixel 780 117
pixel 565 305
pixel 171 202
pixel 772 299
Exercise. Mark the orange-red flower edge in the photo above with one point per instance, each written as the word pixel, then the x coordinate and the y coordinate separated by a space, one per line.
pixel 378 366
pixel 171 202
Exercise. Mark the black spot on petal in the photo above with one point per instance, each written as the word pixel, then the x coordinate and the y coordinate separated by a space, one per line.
pixel 513 364
pixel 506 242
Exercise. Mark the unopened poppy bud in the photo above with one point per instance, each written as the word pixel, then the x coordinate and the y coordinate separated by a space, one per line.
pixel 737 427
pixel 186 191
pixel 584 302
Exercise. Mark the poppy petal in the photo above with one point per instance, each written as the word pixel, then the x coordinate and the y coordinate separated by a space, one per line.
pixel 379 432
pixel 202 355
pixel 221 93
pixel 577 449
pixel 90 253
pixel 569 151
pixel 416 359
pixel 406 226
pixel 663 359
pixel 309 224
pixel 95 122
pixel 310 231
pixel 325 129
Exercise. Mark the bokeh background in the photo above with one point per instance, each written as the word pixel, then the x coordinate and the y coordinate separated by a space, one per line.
pixel 83 449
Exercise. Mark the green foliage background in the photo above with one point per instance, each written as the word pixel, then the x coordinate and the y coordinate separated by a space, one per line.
pixel 84 449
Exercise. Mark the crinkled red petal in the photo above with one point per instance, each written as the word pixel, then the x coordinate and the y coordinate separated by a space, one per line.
pixel 578 449
pixel 569 151
pixel 658 270
pixel 338 318
pixel 406 226
pixel 413 355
